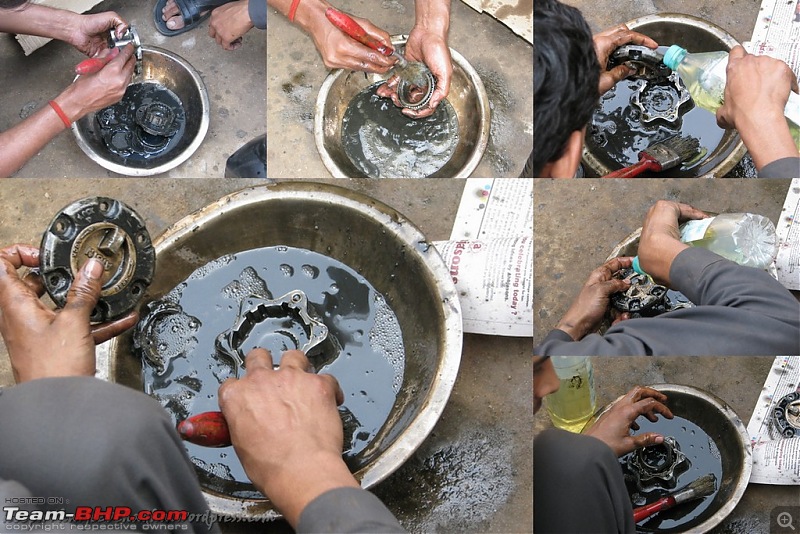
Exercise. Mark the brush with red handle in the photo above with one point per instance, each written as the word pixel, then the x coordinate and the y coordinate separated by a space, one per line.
pixel 660 156
pixel 208 429
pixel 702 487
pixel 95 64
pixel 352 28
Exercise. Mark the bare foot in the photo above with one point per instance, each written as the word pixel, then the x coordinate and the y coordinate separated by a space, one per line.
pixel 172 15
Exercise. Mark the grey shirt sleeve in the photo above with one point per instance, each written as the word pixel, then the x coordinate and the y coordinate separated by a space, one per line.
pixel 781 168
pixel 347 510
pixel 740 311
pixel 257 9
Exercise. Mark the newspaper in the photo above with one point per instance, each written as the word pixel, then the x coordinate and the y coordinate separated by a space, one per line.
pixel 490 256
pixel 777 32
pixel 787 263
pixel 776 459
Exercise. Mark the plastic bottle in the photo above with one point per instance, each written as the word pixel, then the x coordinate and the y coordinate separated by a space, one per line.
pixel 746 238
pixel 574 403
pixel 704 76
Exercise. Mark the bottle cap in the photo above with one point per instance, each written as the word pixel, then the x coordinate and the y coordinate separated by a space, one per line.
pixel 637 267
pixel 673 56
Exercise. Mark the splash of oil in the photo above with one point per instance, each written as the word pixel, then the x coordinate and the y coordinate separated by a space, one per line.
pixel 383 143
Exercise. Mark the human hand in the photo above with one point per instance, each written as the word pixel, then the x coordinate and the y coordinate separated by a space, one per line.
pixel 229 23
pixel 613 427
pixel 756 92
pixel 660 241
pixel 339 51
pixel 430 48
pixel 88 33
pixel 42 342
pixel 604 45
pixel 286 429
pixel 589 308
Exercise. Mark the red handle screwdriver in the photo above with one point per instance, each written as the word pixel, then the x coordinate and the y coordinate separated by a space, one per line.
pixel 208 429
pixel 356 31
pixel 95 64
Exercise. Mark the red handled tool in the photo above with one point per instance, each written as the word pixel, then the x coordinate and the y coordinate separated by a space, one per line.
pixel 208 429
pixel 356 31
pixel 660 157
pixel 702 487
pixel 95 64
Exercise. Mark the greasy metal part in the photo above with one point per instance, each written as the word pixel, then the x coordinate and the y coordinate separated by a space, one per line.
pixel 109 231
pixel 176 74
pixel 157 118
pixel 647 62
pixel 294 309
pixel 786 415
pixel 658 466
pixel 665 100
pixel 467 96
pixel 415 88
pixel 130 37
pixel 642 295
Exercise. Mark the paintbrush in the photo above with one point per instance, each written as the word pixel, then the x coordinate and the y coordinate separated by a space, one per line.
pixel 702 487
pixel 660 156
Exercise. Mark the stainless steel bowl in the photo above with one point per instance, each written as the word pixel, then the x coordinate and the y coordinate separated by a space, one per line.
pixel 699 36
pixel 467 96
pixel 372 238
pixel 721 423
pixel 177 75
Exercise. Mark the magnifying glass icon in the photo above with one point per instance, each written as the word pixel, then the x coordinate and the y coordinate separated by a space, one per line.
pixel 785 520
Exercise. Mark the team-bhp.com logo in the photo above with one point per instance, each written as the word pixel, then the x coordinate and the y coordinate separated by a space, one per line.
pixel 94 515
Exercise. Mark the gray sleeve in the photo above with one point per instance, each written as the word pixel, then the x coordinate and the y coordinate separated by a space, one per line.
pixel 347 510
pixel 781 168
pixel 740 311
pixel 257 9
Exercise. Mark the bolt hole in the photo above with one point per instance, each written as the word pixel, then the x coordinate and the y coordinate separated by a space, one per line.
pixel 135 290
pixel 296 298
pixel 60 227
pixel 140 238
pixel 55 280
pixel 104 206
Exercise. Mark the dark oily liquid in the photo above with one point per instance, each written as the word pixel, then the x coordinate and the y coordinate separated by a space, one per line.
pixel 705 458
pixel 369 367
pixel 384 143
pixel 125 138
pixel 617 134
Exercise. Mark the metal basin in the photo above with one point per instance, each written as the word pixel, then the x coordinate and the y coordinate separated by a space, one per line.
pixel 467 96
pixel 697 35
pixel 177 75
pixel 722 424
pixel 372 238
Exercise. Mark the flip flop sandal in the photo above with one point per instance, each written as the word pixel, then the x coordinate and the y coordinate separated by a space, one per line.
pixel 191 11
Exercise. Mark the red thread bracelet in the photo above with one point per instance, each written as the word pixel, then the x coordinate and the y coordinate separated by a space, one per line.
pixel 60 113
pixel 293 9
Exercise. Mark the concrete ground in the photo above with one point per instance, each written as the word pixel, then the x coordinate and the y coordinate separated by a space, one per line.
pixel 503 60
pixel 736 380
pixel 577 223
pixel 235 82
pixel 474 472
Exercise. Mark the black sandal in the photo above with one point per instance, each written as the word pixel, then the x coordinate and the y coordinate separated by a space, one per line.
pixel 191 11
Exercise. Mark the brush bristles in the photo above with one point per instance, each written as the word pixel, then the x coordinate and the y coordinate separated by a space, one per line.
pixel 684 147
pixel 702 487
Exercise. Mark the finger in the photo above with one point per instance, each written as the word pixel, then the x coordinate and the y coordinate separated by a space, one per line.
pixel 626 36
pixel 619 73
pixel 418 113
pixel 648 439
pixel 609 287
pixel 619 316
pixel 737 52
pixel 635 426
pixel 105 331
pixel 609 268
pixel 21 255
pixel 33 279
pixel 335 388
pixel 647 406
pixel 258 357
pixel 296 359
pixel 225 389
pixel 84 292
pixel 125 53
pixel 688 212
pixel 641 392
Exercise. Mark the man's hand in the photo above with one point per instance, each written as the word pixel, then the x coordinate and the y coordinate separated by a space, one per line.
pixel 756 92
pixel 88 33
pixel 604 45
pixel 42 342
pixel 660 241
pixel 613 427
pixel 229 23
pixel 286 430
pixel 589 308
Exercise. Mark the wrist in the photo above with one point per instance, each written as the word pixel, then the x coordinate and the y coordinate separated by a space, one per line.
pixel 70 104
pixel 310 15
pixel 577 330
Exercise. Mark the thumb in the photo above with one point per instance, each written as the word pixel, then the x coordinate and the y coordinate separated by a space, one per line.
pixel 85 290
pixel 648 439
pixel 609 287
pixel 619 73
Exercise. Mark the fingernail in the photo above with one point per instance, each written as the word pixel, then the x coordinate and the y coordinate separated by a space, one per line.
pixel 658 440
pixel 93 269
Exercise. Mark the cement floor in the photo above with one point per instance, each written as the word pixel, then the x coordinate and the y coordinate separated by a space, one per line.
pixel 474 473
pixel 736 380
pixel 235 82
pixel 503 60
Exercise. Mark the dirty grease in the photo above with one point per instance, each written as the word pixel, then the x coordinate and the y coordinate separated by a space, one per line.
pixel 184 369
pixel 125 138
pixel 383 143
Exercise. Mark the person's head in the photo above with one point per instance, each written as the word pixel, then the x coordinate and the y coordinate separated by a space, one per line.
pixel 545 380
pixel 566 74
pixel 11 4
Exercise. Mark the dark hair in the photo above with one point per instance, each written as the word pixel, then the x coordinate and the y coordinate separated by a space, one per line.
pixel 11 4
pixel 566 74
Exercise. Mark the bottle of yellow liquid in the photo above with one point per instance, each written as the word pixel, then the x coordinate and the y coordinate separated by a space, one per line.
pixel 574 403
pixel 704 77
pixel 746 238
